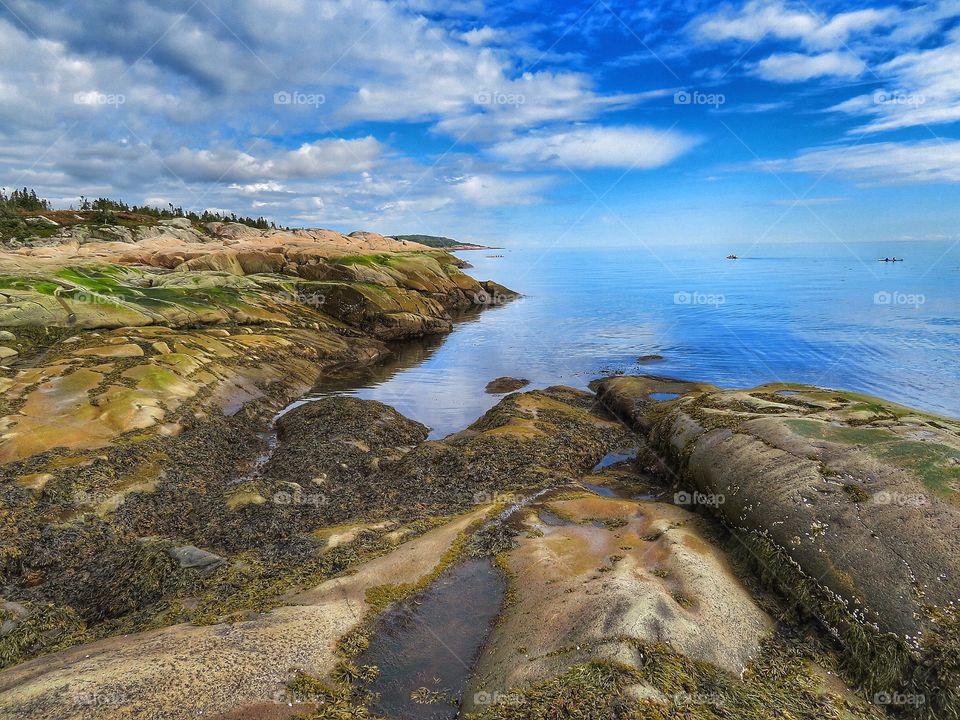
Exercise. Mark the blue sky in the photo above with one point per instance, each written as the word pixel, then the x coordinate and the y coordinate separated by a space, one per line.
pixel 600 122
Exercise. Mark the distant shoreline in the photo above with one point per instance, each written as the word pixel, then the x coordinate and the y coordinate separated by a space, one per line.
pixel 469 246
pixel 442 243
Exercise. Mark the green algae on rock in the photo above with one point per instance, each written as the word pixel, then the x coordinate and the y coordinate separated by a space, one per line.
pixel 881 574
pixel 133 403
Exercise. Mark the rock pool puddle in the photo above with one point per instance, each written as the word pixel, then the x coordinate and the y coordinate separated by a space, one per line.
pixel 663 396
pixel 625 491
pixel 616 456
pixel 426 646
pixel 551 519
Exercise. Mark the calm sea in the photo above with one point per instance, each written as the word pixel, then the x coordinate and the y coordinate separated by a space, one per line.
pixel 828 315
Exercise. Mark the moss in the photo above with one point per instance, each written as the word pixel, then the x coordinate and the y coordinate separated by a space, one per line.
pixel 935 464
pixel 856 493
pixel 377 259
pixel 877 662
pixel 820 430
pixel 491 540
pixel 778 680
pixel 260 583
pixel 609 523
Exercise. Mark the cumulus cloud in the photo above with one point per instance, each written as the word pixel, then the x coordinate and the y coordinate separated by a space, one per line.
pixel 797 67
pixel 758 19
pixel 311 160
pixel 182 100
pixel 592 147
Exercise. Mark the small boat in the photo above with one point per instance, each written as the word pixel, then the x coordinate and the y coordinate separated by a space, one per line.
pixel 732 257
pixel 893 259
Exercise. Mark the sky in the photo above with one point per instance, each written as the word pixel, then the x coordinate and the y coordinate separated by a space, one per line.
pixel 511 123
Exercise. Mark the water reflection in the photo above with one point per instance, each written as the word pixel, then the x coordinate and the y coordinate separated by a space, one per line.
pixel 794 314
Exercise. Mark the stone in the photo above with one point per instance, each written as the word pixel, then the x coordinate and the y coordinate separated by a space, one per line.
pixel 220 262
pixel 180 222
pixel 834 492
pixel 612 573
pixel 505 385
pixel 116 351
pixel 193 558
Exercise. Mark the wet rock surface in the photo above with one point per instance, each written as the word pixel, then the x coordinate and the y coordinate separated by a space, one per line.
pixel 847 503
pixel 502 385
pixel 137 396
pixel 661 549
pixel 273 550
pixel 614 605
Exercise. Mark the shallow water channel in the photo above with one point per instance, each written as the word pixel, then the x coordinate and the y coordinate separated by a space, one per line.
pixel 426 645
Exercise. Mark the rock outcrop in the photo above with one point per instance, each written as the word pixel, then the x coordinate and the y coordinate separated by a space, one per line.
pixel 849 505
pixel 615 606
pixel 137 385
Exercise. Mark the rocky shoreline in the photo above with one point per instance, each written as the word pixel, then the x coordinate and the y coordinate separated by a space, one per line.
pixel 651 549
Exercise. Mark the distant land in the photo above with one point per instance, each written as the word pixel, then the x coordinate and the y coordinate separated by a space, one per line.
pixel 438 241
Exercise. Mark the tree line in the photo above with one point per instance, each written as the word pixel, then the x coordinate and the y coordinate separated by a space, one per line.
pixel 104 209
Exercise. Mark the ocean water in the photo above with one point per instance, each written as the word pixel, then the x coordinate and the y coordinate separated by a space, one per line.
pixel 827 315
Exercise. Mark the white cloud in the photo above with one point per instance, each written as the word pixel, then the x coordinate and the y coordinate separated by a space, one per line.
pixel 199 117
pixel 590 147
pixel 258 188
pixel 311 160
pixel 758 19
pixel 797 67
pixel 497 190
pixel 752 22
pixel 888 163
pixel 923 89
